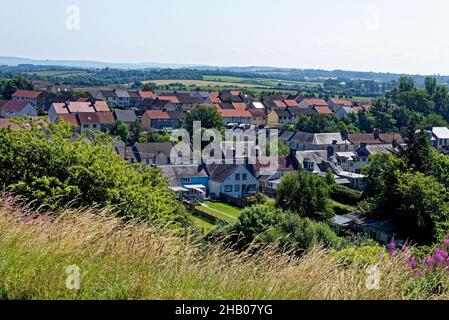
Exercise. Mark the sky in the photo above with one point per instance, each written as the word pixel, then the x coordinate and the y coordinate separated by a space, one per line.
pixel 405 36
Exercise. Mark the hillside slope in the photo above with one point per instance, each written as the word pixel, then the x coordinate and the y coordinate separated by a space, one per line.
pixel 118 260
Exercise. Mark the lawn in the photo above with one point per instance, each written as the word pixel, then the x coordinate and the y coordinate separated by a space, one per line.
pixel 225 208
pixel 205 225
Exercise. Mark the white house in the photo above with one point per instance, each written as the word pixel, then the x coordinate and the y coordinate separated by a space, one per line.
pixel 439 137
pixel 232 180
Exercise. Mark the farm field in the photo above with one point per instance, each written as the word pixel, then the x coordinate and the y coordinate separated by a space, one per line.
pixel 205 83
pixel 261 81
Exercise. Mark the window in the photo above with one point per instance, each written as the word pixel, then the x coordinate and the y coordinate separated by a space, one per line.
pixel 94 126
pixel 85 126
pixel 237 188
pixel 237 176
pixel 185 180
pixel 252 187
pixel 244 176
pixel 228 189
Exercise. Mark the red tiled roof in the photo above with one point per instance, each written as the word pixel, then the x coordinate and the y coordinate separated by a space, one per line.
pixel 256 112
pixel 80 107
pixel 106 117
pixel 232 113
pixel 101 106
pixel 157 114
pixel 60 108
pixel 147 95
pixel 172 99
pixel 69 118
pixel 30 94
pixel 280 104
pixel 291 103
pixel 316 102
pixel 323 110
pixel 357 108
pixel 235 93
pixel 345 103
pixel 239 105
pixel 13 106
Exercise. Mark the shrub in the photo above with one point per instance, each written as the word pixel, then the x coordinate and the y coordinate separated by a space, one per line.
pixel 54 168
pixel 345 195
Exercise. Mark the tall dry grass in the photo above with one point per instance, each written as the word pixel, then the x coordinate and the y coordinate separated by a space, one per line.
pixel 132 260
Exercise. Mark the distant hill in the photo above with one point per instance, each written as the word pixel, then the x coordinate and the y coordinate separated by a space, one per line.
pixel 287 74
pixel 15 61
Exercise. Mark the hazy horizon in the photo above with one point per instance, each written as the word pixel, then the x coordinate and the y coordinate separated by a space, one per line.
pixel 378 35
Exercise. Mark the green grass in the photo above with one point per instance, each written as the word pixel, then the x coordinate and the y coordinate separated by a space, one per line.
pixel 336 206
pixel 225 208
pixel 136 261
pixel 205 225
pixel 218 214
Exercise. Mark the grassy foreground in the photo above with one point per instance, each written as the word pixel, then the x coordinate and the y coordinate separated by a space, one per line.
pixel 120 260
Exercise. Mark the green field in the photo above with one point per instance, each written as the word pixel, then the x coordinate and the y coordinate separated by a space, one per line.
pixel 272 83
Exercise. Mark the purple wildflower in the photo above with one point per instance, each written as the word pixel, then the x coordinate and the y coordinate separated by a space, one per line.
pixel 392 248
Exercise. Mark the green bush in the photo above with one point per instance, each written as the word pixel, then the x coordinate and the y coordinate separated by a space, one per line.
pixel 345 195
pixel 54 168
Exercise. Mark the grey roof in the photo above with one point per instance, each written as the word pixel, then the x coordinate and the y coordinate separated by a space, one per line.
pixel 134 94
pixel 221 172
pixel 121 93
pixel 125 115
pixel 149 150
pixel 175 173
pixel 303 137
pixel 298 111
pixel 108 93
pixel 380 148
pixel 283 113
pixel 286 135
pixel 127 153
pixel 341 220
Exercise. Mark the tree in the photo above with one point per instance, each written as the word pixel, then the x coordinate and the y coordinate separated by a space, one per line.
pixel 406 83
pixel 422 207
pixel 417 151
pixel 431 85
pixel 266 225
pixel 120 129
pixel 147 87
pixel 209 117
pixel 54 169
pixel 304 194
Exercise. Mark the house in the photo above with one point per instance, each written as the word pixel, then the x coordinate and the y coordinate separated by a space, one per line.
pixel 154 153
pixel 191 181
pixel 134 98
pixel 15 108
pixel 123 99
pixel 298 112
pixel 127 153
pixel 258 117
pixel 160 120
pixel 335 104
pixel 231 180
pixel 128 117
pixel 280 117
pixel 188 102
pixel 439 137
pixel 71 119
pixel 313 103
pixel 36 98
pixel 146 95
pixel 270 176
pixel 302 141
pixel 343 112
pixel 99 106
pixel 285 136
pixel 364 139
pixel 235 116
pixel 107 95
pixel 323 110
pixel 95 121
pixel 58 109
